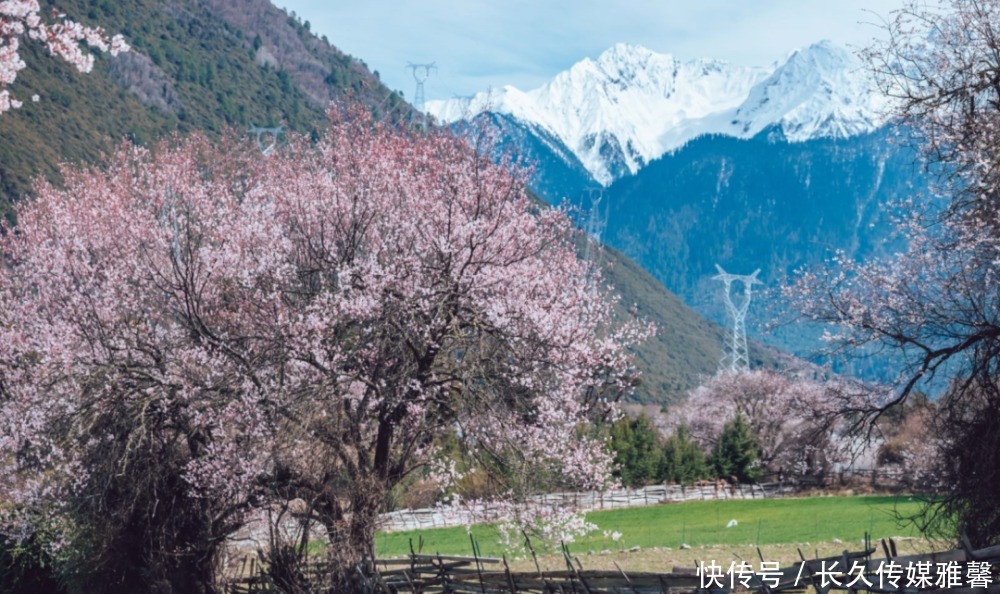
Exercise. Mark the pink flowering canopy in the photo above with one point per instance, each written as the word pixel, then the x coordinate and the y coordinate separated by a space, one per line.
pixel 801 424
pixel 325 312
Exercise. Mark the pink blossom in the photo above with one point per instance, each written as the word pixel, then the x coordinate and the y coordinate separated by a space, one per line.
pixel 329 310
pixel 800 424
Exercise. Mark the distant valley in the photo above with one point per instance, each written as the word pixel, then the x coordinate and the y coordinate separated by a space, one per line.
pixel 704 162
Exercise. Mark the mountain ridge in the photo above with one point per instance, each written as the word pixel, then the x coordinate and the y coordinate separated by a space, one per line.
pixel 632 105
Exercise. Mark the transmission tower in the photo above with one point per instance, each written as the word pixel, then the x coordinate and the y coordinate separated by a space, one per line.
pixel 262 133
pixel 421 72
pixel 735 355
pixel 595 223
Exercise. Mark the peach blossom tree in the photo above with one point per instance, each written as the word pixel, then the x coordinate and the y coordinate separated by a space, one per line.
pixel 196 331
pixel 797 422
pixel 936 303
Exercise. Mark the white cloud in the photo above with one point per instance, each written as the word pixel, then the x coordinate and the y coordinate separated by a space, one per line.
pixel 478 44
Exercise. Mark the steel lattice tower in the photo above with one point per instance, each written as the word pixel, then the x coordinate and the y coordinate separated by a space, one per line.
pixel 595 223
pixel 735 354
pixel 261 132
pixel 421 72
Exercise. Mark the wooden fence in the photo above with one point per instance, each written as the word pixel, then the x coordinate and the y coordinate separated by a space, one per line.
pixel 442 517
pixel 441 574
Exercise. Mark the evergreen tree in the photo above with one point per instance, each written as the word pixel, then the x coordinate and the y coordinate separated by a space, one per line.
pixel 636 446
pixel 682 461
pixel 737 453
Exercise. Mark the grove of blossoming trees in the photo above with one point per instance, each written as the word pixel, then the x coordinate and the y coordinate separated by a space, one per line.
pixel 795 421
pixel 938 302
pixel 20 19
pixel 197 330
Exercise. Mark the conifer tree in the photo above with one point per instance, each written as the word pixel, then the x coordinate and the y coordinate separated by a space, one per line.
pixel 737 454
pixel 637 450
pixel 682 461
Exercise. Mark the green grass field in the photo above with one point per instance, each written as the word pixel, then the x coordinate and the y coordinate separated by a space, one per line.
pixel 759 522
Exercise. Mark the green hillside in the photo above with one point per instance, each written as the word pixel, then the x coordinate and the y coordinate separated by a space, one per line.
pixel 195 64
pixel 213 64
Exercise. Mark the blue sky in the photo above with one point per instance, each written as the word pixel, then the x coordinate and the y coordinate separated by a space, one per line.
pixel 480 44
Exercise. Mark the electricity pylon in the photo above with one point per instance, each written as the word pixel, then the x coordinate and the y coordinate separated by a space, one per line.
pixel 735 354
pixel 421 72
pixel 260 132
pixel 595 224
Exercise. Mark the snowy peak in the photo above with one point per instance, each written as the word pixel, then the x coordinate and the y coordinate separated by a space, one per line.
pixel 821 91
pixel 613 112
pixel 632 105
pixel 626 54
pixel 625 64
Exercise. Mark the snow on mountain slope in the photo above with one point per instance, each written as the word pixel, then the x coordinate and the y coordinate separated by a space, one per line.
pixel 820 91
pixel 632 105
pixel 613 112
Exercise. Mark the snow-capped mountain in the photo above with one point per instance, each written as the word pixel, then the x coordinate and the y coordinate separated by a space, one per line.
pixel 632 105
pixel 819 92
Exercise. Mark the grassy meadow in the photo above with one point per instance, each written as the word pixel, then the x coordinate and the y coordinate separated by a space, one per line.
pixel 797 522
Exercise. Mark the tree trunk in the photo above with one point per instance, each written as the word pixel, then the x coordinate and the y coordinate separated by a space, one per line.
pixel 352 533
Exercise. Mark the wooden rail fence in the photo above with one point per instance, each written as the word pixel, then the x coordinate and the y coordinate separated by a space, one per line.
pixel 446 574
pixel 443 517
